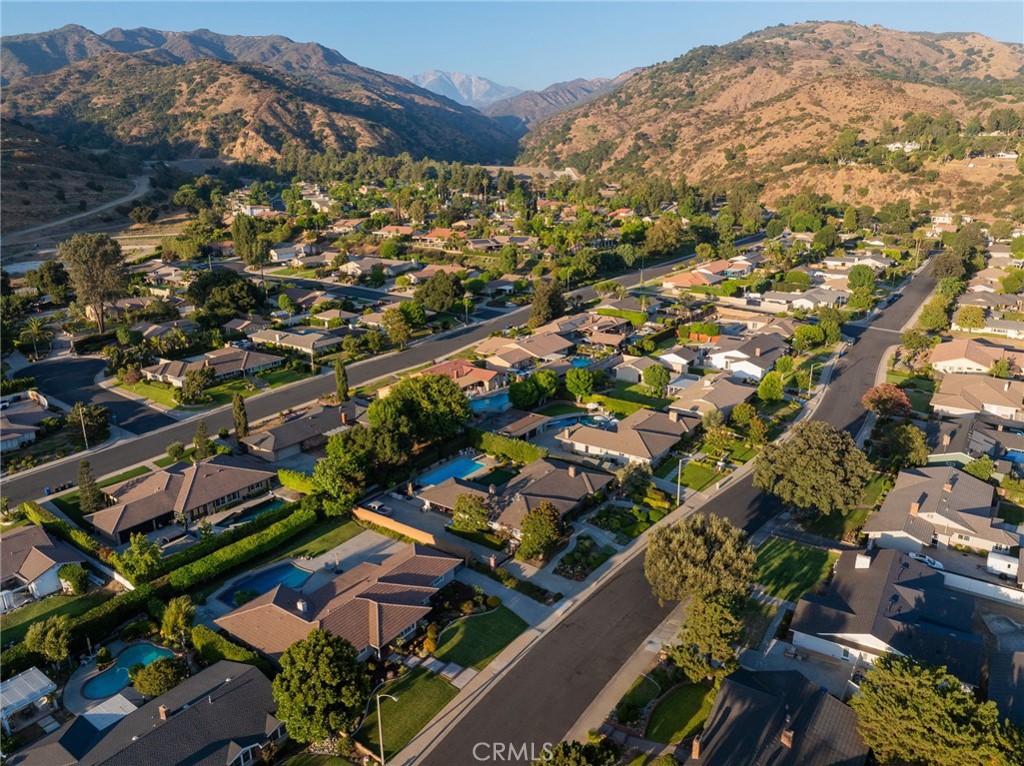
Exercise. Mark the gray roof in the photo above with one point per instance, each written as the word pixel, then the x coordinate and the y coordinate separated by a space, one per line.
pixel 1006 684
pixel 318 421
pixel 901 603
pixel 28 551
pixel 752 710
pixel 213 715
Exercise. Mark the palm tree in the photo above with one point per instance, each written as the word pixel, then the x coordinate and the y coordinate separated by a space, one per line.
pixel 35 330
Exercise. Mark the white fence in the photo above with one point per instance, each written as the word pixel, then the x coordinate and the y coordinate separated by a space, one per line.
pixel 1003 593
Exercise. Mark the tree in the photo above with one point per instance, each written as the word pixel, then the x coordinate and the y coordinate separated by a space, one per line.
pixel 441 292
pixel 340 380
pixel 579 382
pixel 818 468
pixel 548 303
pixel 808 336
pixel 602 753
pixel 141 214
pixel 523 394
pixel 396 326
pixel 202 442
pixel 541 528
pixel 886 401
pixel 50 637
pixel 919 715
pixel 321 688
pixel 1001 368
pixel 471 513
pixel 94 419
pixel 971 317
pixel 915 341
pixel 97 269
pixel 141 558
pixel 195 383
pixel 429 408
pixel 705 557
pixel 285 303
pixel 51 278
pixel 240 416
pixel 830 321
pixel 390 249
pixel 743 413
pixel 948 264
pixel 826 239
pixel 342 474
pixel 159 677
pixel 850 219
pixel 707 641
pixel 861 276
pixel 546 383
pixel 757 432
pixel 177 620
pixel 175 451
pixel 908 446
pixel 656 378
pixel 770 387
pixel 981 468
pixel 90 496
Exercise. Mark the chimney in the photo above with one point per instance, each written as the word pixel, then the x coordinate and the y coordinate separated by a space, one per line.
pixel 915 507
pixel 787 738
pixel 572 471
pixel 1006 386
pixel 707 382
pixel 344 417
pixel 492 489
pixel 863 561
pixel 163 713
pixel 695 749
pixel 302 605
pixel 947 487
pixel 945 440
pixel 757 351
pixel 673 415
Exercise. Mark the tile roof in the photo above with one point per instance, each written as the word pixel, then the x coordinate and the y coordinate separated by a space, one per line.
pixel 752 710
pixel 28 551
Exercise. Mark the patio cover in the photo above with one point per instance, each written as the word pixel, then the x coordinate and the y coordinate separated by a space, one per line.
pixel 23 691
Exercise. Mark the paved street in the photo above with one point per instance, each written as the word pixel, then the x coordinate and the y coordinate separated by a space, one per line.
pixel 547 691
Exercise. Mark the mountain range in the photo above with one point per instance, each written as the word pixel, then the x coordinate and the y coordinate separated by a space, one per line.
pixel 467 89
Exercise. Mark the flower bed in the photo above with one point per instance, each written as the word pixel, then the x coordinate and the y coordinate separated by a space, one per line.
pixel 585 556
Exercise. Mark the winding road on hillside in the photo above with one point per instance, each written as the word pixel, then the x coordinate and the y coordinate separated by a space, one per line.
pixel 546 692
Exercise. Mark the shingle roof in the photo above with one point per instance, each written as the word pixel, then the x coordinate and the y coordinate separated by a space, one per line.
pixel 218 711
pixel 973 392
pixel 562 484
pixel 752 710
pixel 1006 684
pixel 317 421
pixel 645 434
pixel 27 552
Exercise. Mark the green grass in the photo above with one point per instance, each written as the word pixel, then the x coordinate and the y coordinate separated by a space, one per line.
pixel 918 389
pixel 741 453
pixel 220 394
pixel 697 476
pixel 281 376
pixel 309 759
pixel 160 393
pixel 835 526
pixel 681 714
pixel 498 476
pixel 15 624
pixel 788 570
pixel 68 503
pixel 879 484
pixel 290 272
pixel 475 641
pixel 643 690
pixel 486 539
pixel 1011 513
pixel 166 461
pixel 637 393
pixel 13 525
pixel 421 696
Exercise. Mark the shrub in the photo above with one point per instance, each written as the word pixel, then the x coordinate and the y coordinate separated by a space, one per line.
pixel 14 385
pixel 296 480
pixel 99 622
pixel 136 630
pixel 76 577
pixel 103 656
pixel 467 607
pixel 212 648
pixel 429 645
pixel 231 556
pixel 503 446
pixel 18 659
pixel 60 528
pixel 493 602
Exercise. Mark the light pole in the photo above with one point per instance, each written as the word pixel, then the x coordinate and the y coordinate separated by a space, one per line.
pixel 81 412
pixel 380 725
pixel 466 300
pixel 810 377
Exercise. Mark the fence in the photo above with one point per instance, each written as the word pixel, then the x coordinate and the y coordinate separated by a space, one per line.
pixel 1008 595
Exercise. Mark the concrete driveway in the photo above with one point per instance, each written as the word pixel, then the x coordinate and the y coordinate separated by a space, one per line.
pixel 71 379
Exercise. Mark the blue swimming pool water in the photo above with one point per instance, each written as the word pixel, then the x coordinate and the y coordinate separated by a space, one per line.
pixel 581 361
pixel 496 403
pixel 114 679
pixel 258 510
pixel 1015 456
pixel 283 574
pixel 460 468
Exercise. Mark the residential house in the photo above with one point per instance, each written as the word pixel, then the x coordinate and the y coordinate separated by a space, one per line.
pixel 424 274
pixel 29 561
pixel 960 394
pixel 680 383
pixel 346 225
pixel 283 252
pixel 223 715
pixel 391 231
pixel 519 353
pixel 438 238
pixel 362 266
pixel 332 318
pixel 631 369
pixel 310 342
pixel 683 280
pixel 20 418
pixel 149 331
pixel 121 307
pixel 973 355
pixel 190 490
pixel 631 304
pixel 961 440
pixel 644 437
pixel 941 506
pixel 809 300
pixel 876 263
pixel 306 299
pixel 472 380
pixel 305 431
pixel 780 718
pixel 752 358
pixel 714 392
pixel 884 602
pixel 370 605
pixel 225 362
pixel 516 424
pixel 246 325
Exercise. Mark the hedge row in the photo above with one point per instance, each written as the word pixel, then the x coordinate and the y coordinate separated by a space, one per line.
pixel 231 556
pixel 636 318
pixel 57 527
pixel 18 659
pixel 213 647
pixel 503 446
pixel 14 385
pixel 300 482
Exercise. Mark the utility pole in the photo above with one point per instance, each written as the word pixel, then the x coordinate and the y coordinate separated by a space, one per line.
pixel 679 483
pixel 81 412
pixel 380 725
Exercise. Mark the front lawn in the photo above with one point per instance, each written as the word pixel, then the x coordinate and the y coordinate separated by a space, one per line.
pixel 788 570
pixel 698 475
pixel 68 504
pixel 421 696
pixel 311 759
pixel 14 625
pixel 836 526
pixel 627 522
pixel 681 714
pixel 486 539
pixel 917 388
pixel 166 461
pixel 474 641
pixel 161 393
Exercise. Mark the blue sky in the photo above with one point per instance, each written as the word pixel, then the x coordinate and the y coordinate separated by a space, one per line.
pixel 525 44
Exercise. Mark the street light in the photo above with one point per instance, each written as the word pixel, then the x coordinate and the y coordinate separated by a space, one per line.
pixel 380 725
pixel 810 377
pixel 466 300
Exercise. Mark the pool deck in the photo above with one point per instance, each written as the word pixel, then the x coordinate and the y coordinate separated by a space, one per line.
pixel 72 698
pixel 487 462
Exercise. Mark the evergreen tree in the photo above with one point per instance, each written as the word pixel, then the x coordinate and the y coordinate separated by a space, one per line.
pixel 202 442
pixel 341 380
pixel 240 416
pixel 90 498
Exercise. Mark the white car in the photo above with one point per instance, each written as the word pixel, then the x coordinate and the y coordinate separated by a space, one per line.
pixel 927 560
pixel 378 507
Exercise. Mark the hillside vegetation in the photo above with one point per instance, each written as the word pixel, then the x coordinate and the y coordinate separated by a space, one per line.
pixel 772 108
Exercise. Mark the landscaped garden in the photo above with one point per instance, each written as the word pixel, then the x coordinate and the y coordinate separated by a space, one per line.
pixel 681 714
pixel 788 570
pixel 474 641
pixel 421 695
pixel 627 523
pixel 585 556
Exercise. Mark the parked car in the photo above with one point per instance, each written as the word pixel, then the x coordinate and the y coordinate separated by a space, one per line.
pixel 378 507
pixel 927 560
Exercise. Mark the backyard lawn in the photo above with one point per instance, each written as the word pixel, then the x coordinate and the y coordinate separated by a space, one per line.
pixel 788 570
pixel 626 398
pixel 421 696
pixel 474 641
pixel 68 503
pixel 552 410
pixel 1011 513
pixel 681 714
pixel 498 476
pixel 15 624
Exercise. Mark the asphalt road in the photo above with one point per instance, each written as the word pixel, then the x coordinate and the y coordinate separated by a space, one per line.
pixel 71 380
pixel 30 485
pixel 541 698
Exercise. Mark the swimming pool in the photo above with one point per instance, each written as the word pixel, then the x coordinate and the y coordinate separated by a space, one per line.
pixel 114 679
pixel 271 504
pixel 581 361
pixel 496 403
pixel 460 468
pixel 261 582
pixel 597 421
